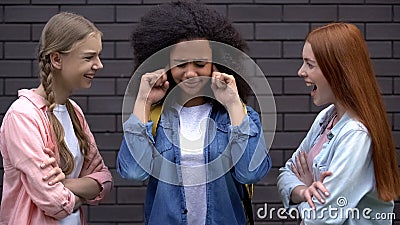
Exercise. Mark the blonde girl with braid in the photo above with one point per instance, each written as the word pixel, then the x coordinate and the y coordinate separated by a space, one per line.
pixel 51 163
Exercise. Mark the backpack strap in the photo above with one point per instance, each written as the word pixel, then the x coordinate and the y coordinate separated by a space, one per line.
pixel 155 114
pixel 248 190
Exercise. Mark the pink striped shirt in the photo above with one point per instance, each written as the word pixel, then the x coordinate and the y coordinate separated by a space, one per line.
pixel 27 199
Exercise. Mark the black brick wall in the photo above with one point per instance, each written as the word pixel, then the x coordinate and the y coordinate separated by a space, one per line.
pixel 274 29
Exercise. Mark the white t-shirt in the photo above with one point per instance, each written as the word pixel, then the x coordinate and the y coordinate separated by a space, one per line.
pixel 193 124
pixel 60 111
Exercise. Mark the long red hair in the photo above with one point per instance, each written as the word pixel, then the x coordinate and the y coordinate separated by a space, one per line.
pixel 342 55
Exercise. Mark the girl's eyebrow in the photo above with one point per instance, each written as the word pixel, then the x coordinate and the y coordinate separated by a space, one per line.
pixel 89 52
pixel 190 60
pixel 309 60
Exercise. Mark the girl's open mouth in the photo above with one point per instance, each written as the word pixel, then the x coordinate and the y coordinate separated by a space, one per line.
pixel 314 86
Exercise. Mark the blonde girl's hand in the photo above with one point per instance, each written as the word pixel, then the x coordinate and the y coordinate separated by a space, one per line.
pixel 78 202
pixel 56 174
pixel 224 88
pixel 301 170
pixel 153 87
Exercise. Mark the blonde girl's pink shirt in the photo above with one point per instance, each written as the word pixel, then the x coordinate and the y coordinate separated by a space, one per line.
pixel 27 199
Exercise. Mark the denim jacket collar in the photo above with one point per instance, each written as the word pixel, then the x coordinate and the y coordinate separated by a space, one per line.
pixel 338 126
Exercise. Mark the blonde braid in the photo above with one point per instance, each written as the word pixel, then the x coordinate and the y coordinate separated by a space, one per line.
pixel 83 139
pixel 67 160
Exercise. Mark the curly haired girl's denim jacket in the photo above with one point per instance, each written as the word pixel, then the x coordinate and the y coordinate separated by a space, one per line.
pixel 234 155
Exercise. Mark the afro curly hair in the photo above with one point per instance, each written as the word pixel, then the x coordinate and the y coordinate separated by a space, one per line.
pixel 174 22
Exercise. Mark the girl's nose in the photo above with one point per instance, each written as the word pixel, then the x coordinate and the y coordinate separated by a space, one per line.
pixel 301 72
pixel 190 71
pixel 98 65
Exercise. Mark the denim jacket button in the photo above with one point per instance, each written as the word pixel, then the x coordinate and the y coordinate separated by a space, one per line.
pixel 185 211
pixel 330 135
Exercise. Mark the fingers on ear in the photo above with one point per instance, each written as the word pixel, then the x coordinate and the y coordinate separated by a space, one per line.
pixel 165 85
pixel 215 69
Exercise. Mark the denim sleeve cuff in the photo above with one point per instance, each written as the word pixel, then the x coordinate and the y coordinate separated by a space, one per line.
pixel 135 126
pixel 245 129
pixel 288 203
pixel 287 182
pixel 287 193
